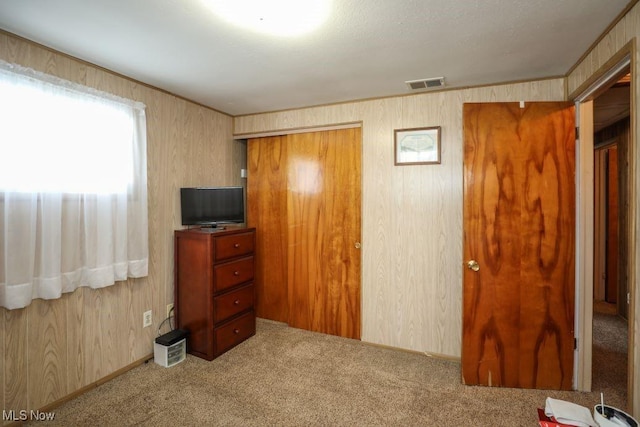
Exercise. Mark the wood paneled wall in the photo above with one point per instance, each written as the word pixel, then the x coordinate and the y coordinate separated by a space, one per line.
pixel 53 348
pixel 624 32
pixel 619 133
pixel 411 215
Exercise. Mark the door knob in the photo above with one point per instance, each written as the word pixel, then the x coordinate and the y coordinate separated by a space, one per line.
pixel 473 265
pixel 357 245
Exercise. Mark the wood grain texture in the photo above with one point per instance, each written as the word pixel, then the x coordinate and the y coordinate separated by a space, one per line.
pixel 519 222
pixel 379 302
pixel 619 135
pixel 16 358
pixel 75 354
pixel 612 226
pixel 432 324
pixel 624 177
pixel 304 198
pixel 584 251
pixel 411 215
pixel 623 34
pixel 208 268
pixel 599 224
pixel 47 344
pixel 323 213
pixel 267 212
pixel 53 348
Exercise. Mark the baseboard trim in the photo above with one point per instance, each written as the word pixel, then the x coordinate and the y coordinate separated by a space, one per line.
pixel 372 344
pixel 423 353
pixel 97 383
pixel 89 387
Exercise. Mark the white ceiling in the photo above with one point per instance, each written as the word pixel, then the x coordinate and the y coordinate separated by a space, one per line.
pixel 367 48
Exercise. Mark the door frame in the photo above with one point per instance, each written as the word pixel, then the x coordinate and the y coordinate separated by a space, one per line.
pixel 583 99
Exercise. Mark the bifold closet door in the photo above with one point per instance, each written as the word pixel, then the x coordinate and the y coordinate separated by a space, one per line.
pixel 315 178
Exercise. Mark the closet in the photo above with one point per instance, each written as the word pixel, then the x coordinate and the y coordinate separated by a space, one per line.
pixel 304 199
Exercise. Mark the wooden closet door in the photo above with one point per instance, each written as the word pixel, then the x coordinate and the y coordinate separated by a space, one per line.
pixel 304 198
pixel 267 212
pixel 323 209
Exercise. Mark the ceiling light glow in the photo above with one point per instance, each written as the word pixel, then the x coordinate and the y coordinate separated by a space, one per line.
pixel 276 17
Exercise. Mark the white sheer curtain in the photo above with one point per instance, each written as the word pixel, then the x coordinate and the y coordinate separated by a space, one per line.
pixel 73 187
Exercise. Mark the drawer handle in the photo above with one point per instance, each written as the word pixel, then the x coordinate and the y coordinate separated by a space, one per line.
pixel 236 273
pixel 236 302
pixel 236 331
pixel 236 245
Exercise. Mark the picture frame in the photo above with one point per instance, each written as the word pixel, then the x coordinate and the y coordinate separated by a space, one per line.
pixel 417 146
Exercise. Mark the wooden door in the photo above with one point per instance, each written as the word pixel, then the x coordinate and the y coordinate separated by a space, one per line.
pixel 304 199
pixel 267 212
pixel 519 227
pixel 324 227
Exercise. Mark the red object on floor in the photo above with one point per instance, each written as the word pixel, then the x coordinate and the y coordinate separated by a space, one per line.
pixel 545 421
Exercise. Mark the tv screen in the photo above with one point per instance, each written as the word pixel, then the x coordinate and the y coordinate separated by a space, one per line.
pixel 212 206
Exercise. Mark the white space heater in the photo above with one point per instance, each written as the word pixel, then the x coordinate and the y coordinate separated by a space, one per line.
pixel 171 348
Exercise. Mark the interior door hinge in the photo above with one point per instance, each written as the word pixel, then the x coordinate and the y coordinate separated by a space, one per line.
pixel 575 343
pixel 577 132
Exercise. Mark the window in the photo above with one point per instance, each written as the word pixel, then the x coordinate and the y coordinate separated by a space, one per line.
pixel 73 187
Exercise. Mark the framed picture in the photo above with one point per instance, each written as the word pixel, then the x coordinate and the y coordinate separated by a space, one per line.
pixel 417 146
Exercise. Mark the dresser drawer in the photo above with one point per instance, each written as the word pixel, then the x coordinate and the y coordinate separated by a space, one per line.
pixel 234 245
pixel 232 303
pixel 232 273
pixel 233 333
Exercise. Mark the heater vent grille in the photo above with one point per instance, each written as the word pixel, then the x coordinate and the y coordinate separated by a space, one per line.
pixel 425 83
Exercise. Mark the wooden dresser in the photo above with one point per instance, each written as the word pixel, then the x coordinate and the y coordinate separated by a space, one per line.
pixel 214 292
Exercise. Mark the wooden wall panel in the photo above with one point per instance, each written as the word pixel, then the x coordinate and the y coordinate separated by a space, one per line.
pixel 16 357
pixel 51 349
pixel 624 177
pixel 411 215
pixel 612 226
pixel 599 225
pixel 76 377
pixel 46 344
pixel 625 31
pixel 619 133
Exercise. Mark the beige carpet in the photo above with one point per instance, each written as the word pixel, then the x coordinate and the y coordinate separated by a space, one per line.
pixel 289 377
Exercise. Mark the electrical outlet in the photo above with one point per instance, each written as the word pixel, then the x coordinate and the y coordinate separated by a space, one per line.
pixel 147 320
pixel 169 308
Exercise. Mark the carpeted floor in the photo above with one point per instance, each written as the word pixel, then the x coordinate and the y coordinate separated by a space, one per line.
pixel 610 355
pixel 290 377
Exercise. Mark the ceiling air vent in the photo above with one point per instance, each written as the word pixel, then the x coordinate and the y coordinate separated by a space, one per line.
pixel 432 83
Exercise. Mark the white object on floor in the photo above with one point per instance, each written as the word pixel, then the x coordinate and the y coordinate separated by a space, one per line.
pixel 619 418
pixel 568 413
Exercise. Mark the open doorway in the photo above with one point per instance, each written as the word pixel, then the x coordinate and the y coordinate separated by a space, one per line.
pixel 591 366
pixel 611 141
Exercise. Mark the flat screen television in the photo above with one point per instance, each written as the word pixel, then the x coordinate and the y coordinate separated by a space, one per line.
pixel 211 206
